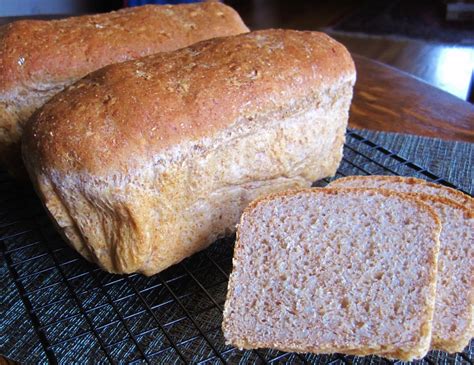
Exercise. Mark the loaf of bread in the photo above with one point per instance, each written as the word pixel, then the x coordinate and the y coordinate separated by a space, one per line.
pixel 143 163
pixel 453 325
pixel 334 270
pixel 40 58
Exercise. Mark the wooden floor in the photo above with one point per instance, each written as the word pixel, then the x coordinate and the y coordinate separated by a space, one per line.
pixel 448 67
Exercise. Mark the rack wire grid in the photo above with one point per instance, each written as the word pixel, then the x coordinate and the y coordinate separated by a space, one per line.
pixel 82 314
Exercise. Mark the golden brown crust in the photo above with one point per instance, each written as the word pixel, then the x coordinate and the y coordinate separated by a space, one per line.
pixel 468 213
pixel 37 51
pixel 123 114
pixel 143 163
pixel 39 58
pixel 454 194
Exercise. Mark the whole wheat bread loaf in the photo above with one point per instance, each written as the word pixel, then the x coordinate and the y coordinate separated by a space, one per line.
pixel 146 162
pixel 334 270
pixel 40 58
pixel 453 323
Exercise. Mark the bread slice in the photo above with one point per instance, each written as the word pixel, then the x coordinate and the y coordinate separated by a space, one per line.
pixel 404 184
pixel 454 311
pixel 334 270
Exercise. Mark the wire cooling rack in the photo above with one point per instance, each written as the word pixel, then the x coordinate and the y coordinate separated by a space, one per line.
pixel 70 311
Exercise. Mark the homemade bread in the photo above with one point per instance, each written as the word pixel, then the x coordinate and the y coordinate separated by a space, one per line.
pixel 40 58
pixel 404 184
pixel 143 163
pixel 453 320
pixel 334 270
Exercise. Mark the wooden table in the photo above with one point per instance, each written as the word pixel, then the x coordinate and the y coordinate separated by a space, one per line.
pixel 386 99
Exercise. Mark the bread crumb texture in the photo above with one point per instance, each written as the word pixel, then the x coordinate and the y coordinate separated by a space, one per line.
pixel 453 326
pixel 334 270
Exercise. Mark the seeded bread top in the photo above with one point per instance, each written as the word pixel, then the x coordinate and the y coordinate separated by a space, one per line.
pixel 124 114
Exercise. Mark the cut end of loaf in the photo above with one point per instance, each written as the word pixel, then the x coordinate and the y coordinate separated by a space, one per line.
pixel 334 270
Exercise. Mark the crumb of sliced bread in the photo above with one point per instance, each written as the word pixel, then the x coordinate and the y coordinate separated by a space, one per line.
pixel 453 325
pixel 454 309
pixel 334 270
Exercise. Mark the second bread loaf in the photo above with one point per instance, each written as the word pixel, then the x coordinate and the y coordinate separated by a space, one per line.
pixel 143 163
pixel 40 58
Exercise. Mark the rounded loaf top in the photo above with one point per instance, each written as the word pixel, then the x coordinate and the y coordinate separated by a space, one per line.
pixel 55 51
pixel 121 116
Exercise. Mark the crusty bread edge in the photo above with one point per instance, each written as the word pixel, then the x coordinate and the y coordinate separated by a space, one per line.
pixel 468 201
pixel 426 328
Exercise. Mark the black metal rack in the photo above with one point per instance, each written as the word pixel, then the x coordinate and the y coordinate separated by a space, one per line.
pixel 77 312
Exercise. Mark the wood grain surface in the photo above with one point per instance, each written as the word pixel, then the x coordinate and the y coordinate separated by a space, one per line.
pixel 387 99
pixel 445 66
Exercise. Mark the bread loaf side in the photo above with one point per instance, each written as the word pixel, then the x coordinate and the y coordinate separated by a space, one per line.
pixel 143 163
pixel 40 58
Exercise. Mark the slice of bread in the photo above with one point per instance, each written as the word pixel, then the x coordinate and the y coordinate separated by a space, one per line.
pixel 453 324
pixel 334 270
pixel 454 310
pixel 404 184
